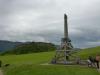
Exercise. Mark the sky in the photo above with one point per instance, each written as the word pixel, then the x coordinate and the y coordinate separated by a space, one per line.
pixel 43 21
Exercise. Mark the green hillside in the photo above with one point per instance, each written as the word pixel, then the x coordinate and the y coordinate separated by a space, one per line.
pixel 32 47
pixel 31 64
pixel 34 58
pixel 85 53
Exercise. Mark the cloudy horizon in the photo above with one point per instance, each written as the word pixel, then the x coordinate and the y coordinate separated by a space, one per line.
pixel 43 21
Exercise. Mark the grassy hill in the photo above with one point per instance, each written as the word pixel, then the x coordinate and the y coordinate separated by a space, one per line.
pixel 30 64
pixel 85 53
pixel 34 58
pixel 31 47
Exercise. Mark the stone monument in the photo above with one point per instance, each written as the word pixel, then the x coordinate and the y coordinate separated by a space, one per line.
pixel 62 55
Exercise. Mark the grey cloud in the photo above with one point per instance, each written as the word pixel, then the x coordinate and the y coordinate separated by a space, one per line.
pixel 37 20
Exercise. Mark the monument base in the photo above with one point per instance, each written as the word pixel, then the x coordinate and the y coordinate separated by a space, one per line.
pixel 61 57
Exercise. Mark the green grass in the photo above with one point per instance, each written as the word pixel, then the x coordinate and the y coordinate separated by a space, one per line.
pixel 34 58
pixel 49 70
pixel 29 64
pixel 85 53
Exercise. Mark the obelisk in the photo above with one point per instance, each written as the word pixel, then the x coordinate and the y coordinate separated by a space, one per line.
pixel 65 42
pixel 62 55
pixel 65 27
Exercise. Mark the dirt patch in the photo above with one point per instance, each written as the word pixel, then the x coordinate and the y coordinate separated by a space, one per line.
pixel 1 73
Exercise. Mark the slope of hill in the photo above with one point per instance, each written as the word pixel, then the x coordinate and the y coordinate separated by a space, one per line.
pixel 85 53
pixel 31 47
pixel 5 45
pixel 30 64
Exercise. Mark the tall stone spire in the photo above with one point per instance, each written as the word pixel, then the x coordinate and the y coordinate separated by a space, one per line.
pixel 65 27
pixel 62 54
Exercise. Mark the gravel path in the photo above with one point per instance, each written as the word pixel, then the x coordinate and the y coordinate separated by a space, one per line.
pixel 1 72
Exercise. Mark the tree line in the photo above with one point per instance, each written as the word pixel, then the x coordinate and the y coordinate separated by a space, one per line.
pixel 32 47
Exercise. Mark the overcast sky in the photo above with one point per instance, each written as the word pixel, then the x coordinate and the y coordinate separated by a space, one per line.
pixel 42 20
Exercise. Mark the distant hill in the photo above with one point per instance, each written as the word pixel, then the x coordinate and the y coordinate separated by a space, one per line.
pixel 32 47
pixel 5 45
